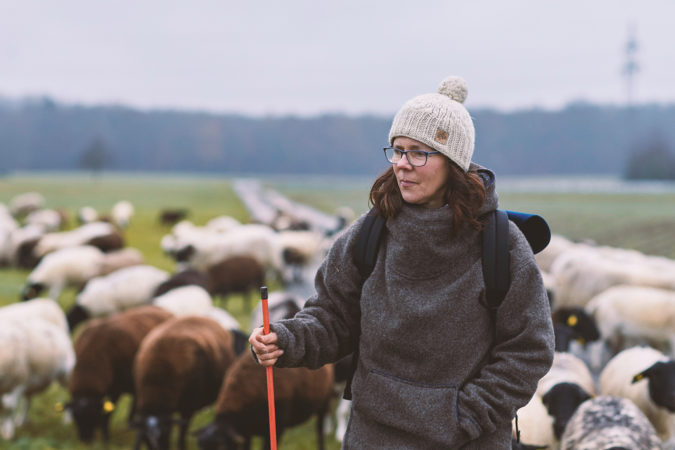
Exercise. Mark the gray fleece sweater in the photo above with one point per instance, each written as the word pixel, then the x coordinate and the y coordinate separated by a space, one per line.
pixel 434 371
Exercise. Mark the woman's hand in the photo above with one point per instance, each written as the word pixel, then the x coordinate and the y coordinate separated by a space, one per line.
pixel 265 347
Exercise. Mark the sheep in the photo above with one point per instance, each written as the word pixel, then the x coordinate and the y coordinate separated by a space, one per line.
pixel 87 214
pixel 179 368
pixel 119 259
pixel 647 378
pixel 48 219
pixel 564 387
pixel 33 355
pixel 183 278
pixel 222 224
pixel 299 249
pixel 583 272
pixel 43 308
pixel 105 351
pixel 78 236
pixel 122 212
pixel 631 315
pixel 280 304
pixel 23 204
pixel 535 425
pixel 115 292
pixel 257 241
pixel 609 423
pixel 71 266
pixel 241 408
pixel 185 300
pixel 195 300
pixel 172 216
pixel 556 246
pixel 236 274
pixel 573 324
pixel 7 226
pixel 22 242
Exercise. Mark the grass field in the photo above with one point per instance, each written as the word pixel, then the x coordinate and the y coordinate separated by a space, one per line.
pixel 644 222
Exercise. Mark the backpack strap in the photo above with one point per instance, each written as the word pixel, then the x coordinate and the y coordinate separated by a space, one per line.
pixel 496 272
pixel 368 242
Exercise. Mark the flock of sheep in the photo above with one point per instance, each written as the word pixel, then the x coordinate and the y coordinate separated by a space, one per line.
pixel 137 329
pixel 612 383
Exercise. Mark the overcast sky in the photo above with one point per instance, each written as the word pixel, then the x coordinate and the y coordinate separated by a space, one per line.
pixel 353 56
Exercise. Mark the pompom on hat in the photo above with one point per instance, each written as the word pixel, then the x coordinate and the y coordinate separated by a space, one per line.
pixel 440 121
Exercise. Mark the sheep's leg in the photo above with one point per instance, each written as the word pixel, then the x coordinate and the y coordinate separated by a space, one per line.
pixel 319 429
pixel 342 416
pixel 22 411
pixel 55 290
pixel 185 423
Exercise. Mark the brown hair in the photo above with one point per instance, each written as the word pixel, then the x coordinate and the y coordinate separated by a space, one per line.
pixel 464 194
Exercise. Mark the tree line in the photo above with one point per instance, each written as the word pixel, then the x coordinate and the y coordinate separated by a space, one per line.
pixel 581 138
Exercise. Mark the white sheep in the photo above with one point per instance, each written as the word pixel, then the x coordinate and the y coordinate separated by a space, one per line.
pixel 195 300
pixel 43 308
pixel 258 241
pixel 78 236
pixel 584 271
pixel 119 259
pixel 22 204
pixel 222 224
pixel 556 246
pixel 87 214
pixel 48 219
pixel 535 425
pixel 122 212
pixel 117 291
pixel 185 300
pixel 609 423
pixel 631 315
pixel 22 240
pixel 280 305
pixel 33 355
pixel 300 250
pixel 7 226
pixel 564 387
pixel 647 378
pixel 70 266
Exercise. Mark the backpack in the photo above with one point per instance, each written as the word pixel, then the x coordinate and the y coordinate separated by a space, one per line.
pixel 495 255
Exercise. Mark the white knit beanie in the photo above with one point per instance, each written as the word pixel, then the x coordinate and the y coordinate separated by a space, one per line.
pixel 439 121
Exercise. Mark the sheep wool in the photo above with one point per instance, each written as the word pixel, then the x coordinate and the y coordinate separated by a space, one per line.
pixel 609 422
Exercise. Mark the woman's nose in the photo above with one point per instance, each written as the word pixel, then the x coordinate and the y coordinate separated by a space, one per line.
pixel 403 162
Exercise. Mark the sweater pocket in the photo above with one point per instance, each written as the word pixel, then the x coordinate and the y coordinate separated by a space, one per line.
pixel 427 412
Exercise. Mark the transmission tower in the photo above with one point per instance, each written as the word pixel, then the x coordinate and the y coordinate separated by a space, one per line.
pixel 630 67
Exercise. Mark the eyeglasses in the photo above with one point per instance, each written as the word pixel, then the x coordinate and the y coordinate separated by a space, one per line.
pixel 416 158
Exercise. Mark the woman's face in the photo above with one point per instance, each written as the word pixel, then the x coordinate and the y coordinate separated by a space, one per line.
pixel 425 185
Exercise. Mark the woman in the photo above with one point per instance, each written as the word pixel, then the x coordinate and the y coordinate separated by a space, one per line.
pixel 435 369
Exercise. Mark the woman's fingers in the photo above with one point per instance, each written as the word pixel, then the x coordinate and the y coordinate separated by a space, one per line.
pixel 265 347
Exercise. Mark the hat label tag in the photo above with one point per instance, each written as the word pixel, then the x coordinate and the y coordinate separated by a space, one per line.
pixel 441 136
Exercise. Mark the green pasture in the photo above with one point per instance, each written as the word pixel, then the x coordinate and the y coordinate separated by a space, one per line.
pixel 644 222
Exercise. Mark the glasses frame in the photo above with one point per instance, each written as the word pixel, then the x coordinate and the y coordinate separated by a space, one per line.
pixel 405 153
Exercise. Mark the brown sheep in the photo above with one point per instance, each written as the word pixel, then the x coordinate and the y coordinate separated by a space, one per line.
pixel 179 368
pixel 241 409
pixel 107 243
pixel 236 274
pixel 105 352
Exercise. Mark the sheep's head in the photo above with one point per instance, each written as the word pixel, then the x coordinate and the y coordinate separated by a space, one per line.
pixel 661 376
pixel 561 401
pixel 154 430
pixel 90 413
pixel 32 290
pixel 219 435
pixel 582 326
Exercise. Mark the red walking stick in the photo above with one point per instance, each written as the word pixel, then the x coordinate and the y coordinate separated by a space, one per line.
pixel 270 374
